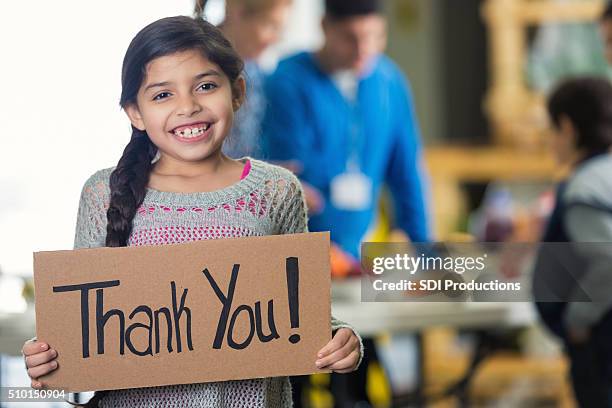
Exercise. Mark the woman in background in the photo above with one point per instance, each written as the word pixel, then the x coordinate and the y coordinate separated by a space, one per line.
pixel 572 283
pixel 251 26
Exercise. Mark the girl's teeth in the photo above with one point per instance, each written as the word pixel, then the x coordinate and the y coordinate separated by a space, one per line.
pixel 191 133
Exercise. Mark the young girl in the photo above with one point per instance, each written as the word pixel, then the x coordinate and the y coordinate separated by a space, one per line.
pixel 182 82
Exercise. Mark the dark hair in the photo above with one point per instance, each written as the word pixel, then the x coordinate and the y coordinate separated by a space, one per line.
pixel 340 9
pixel 128 182
pixel 587 103
pixel 607 14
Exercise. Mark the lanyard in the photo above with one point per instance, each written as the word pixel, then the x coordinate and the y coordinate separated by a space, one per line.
pixel 356 139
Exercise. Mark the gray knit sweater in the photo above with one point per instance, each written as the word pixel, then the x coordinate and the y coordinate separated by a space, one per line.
pixel 268 201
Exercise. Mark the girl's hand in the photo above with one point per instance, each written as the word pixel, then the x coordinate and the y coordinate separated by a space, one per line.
pixel 341 354
pixel 40 359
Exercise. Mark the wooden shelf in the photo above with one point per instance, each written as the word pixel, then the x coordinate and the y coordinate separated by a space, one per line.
pixel 515 112
pixel 538 12
pixel 489 163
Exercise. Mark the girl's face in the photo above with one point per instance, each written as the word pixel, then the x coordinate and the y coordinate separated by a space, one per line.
pixel 185 105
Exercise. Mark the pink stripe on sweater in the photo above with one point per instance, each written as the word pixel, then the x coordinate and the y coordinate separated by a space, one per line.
pixel 247 169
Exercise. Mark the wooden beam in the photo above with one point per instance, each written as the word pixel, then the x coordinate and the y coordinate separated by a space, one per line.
pixel 550 11
pixel 483 164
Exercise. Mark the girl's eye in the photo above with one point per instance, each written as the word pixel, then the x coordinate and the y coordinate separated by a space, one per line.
pixel 208 86
pixel 161 95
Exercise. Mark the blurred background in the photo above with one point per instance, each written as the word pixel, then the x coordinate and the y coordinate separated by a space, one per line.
pixel 479 70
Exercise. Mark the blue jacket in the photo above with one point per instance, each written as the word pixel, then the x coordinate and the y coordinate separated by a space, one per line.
pixel 308 120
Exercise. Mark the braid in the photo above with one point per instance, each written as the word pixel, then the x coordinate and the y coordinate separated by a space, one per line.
pixel 128 185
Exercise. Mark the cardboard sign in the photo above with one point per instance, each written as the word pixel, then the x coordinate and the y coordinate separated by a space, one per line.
pixel 176 314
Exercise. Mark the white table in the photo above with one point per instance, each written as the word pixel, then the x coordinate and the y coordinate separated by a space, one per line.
pixel 374 318
pixel 371 318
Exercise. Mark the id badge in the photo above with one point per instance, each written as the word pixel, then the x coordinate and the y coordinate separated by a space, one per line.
pixel 351 191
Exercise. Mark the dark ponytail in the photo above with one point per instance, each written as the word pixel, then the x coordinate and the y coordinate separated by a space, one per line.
pixel 128 184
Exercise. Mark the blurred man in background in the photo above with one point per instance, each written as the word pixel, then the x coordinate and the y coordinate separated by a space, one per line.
pixel 343 119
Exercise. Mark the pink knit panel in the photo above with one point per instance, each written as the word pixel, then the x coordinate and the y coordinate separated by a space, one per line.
pixel 180 234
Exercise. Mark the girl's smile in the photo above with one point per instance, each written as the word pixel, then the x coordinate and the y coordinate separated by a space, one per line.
pixel 192 132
